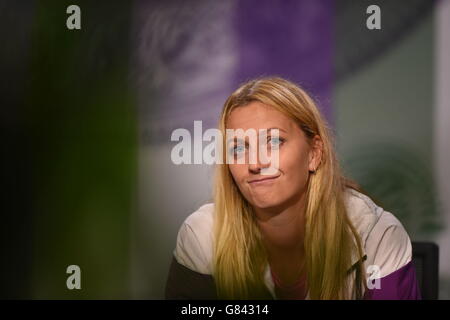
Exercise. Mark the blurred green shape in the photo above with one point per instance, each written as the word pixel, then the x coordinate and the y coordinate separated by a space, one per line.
pixel 396 178
pixel 82 124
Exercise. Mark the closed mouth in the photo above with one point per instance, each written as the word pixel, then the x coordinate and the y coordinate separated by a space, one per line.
pixel 263 179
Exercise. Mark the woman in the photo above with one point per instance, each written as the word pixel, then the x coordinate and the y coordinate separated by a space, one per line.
pixel 302 231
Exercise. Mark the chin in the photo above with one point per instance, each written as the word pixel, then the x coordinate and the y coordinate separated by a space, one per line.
pixel 265 203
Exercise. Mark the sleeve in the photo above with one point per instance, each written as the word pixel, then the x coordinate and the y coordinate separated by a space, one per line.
pixel 189 252
pixel 188 276
pixel 183 283
pixel 392 275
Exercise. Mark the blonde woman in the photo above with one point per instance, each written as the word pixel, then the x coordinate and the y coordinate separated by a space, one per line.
pixel 302 231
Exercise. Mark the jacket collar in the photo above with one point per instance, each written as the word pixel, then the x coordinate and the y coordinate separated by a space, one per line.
pixel 363 213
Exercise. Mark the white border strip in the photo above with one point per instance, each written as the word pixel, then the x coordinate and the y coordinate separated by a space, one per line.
pixel 442 126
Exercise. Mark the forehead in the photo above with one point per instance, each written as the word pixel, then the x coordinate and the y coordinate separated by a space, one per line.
pixel 257 115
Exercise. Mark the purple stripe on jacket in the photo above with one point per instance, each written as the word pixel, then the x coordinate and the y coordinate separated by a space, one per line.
pixel 398 285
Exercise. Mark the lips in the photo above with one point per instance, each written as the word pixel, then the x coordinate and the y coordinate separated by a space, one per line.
pixel 263 180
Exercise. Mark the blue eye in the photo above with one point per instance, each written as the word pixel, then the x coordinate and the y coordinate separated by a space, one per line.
pixel 275 142
pixel 237 149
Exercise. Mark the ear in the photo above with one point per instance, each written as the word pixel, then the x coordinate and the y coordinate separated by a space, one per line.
pixel 315 153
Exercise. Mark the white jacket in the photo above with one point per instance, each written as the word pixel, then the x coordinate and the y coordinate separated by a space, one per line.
pixel 385 242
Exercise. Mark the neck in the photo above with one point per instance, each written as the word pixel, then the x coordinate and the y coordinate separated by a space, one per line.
pixel 282 227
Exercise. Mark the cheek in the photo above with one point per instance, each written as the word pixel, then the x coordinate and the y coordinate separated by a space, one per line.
pixel 295 167
pixel 237 171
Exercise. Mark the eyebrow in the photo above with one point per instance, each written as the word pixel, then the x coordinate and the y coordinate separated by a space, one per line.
pixel 235 139
pixel 276 128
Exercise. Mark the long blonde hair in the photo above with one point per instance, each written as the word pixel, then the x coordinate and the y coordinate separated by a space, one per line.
pixel 330 238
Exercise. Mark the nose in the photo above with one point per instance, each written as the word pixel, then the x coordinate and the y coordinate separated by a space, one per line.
pixel 255 167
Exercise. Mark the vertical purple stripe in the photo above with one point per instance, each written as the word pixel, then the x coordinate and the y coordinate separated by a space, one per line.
pixel 291 39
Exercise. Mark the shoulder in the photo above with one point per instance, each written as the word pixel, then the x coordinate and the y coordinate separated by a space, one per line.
pixel 194 246
pixel 386 242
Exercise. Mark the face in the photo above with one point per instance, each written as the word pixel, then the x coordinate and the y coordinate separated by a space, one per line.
pixel 296 157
